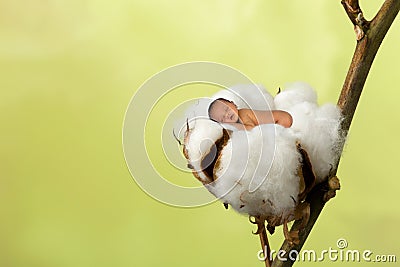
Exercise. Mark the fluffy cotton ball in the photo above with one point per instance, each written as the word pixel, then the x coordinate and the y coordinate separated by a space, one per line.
pixel 256 171
pixel 316 127
pixel 199 142
pixel 295 93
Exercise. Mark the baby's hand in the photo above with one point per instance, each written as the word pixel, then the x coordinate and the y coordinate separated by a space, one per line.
pixel 282 118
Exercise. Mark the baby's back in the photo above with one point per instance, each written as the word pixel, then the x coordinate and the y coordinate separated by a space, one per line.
pixel 255 117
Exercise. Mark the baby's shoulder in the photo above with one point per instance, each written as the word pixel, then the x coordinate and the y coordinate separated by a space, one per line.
pixel 246 114
pixel 244 111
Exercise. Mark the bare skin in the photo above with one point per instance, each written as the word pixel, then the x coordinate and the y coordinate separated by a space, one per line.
pixel 225 111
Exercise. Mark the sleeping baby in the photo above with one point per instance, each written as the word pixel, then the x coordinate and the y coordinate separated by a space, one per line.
pixel 225 111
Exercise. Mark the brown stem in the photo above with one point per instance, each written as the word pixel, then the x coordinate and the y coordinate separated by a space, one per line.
pixel 363 57
pixel 266 248
pixel 356 16
pixel 366 49
pixel 263 239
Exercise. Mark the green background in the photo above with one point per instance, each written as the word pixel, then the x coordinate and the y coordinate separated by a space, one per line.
pixel 68 70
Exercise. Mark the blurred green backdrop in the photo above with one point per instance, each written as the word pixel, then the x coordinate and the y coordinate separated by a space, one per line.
pixel 68 71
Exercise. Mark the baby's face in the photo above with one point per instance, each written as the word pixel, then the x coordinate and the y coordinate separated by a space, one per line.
pixel 224 111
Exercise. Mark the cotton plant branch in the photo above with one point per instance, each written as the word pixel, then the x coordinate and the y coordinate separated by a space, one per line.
pixel 369 36
pixel 261 231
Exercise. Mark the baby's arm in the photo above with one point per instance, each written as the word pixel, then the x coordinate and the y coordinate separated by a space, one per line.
pixel 283 118
pixel 280 117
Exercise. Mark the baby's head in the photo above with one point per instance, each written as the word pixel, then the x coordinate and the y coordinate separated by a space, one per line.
pixel 223 110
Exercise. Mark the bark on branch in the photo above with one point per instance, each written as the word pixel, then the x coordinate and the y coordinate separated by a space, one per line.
pixel 369 36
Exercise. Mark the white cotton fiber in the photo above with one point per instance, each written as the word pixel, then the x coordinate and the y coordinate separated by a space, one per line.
pixel 293 94
pixel 203 134
pixel 256 172
pixel 267 157
pixel 316 127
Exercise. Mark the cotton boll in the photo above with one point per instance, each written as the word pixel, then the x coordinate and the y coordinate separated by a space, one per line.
pixel 321 139
pixel 325 138
pixel 266 156
pixel 316 127
pixel 199 142
pixel 302 114
pixel 295 93
pixel 282 182
pixel 256 171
